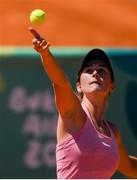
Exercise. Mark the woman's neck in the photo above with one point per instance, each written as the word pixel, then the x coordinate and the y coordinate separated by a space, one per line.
pixel 96 108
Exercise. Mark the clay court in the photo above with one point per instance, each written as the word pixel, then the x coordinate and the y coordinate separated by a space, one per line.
pixel 71 23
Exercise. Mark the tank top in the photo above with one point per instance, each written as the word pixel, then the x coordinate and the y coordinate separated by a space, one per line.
pixel 87 154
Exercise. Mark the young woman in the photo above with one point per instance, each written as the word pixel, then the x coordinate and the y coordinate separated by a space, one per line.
pixel 88 146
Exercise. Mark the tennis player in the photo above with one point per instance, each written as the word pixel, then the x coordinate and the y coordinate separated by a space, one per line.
pixel 88 146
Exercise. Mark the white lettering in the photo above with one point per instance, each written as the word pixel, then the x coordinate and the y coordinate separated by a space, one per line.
pixel 49 153
pixel 32 156
pixel 39 154
pixel 20 101
pixel 17 101
pixel 32 125
pixel 39 124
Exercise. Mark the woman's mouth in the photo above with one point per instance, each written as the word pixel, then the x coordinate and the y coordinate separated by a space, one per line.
pixel 94 82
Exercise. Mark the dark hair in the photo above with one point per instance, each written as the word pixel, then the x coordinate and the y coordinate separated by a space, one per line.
pixel 96 54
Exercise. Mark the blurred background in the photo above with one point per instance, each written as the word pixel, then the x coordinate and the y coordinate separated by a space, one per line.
pixel 28 115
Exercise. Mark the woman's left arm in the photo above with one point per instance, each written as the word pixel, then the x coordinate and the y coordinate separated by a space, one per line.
pixel 128 164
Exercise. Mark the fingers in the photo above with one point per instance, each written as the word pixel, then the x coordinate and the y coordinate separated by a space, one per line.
pixel 46 46
pixel 40 46
pixel 39 43
pixel 35 34
pixel 43 43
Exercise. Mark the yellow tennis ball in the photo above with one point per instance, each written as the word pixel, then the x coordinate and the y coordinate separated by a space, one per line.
pixel 37 16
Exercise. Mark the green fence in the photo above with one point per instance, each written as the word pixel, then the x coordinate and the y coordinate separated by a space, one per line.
pixel 27 111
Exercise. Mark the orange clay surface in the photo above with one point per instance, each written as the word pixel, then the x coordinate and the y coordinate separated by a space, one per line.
pixel 109 23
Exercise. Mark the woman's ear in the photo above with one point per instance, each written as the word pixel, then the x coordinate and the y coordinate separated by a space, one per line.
pixel 78 86
pixel 112 87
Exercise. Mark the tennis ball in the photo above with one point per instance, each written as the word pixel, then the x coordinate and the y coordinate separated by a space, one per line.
pixel 37 16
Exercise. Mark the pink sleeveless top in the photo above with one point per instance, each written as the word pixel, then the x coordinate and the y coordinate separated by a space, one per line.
pixel 87 154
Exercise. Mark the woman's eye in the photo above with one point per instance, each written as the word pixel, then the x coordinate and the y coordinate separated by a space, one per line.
pixel 102 71
pixel 89 71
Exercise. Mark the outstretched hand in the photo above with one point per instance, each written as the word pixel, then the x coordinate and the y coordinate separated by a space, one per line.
pixel 39 43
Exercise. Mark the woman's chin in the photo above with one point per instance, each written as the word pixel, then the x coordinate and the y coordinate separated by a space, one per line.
pixel 95 87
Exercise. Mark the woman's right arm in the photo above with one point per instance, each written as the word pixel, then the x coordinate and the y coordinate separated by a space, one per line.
pixel 51 66
pixel 67 102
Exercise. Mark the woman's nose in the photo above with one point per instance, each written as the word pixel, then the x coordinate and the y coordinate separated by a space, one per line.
pixel 95 73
